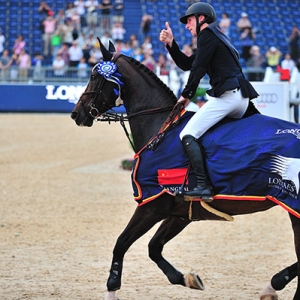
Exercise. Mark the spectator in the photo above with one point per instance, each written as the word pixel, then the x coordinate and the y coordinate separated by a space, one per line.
pixel 75 53
pixel 67 31
pixel 126 50
pixel 147 45
pixel 118 32
pixel 105 9
pixel 137 54
pixel 149 61
pixel 247 37
pixel 49 28
pixel 88 44
pixel 288 63
pixel 19 44
pixel 119 45
pixel 294 39
pixel 36 63
pixel 95 55
pixel 162 65
pixel 225 23
pixel 145 25
pixel 76 20
pixel 2 41
pixel 119 11
pixel 5 62
pixel 60 18
pixel 105 39
pixel 14 68
pixel 24 63
pixel 255 64
pixel 56 40
pixel 70 10
pixel 91 16
pixel 64 53
pixel 243 22
pixel 133 41
pixel 43 9
pixel 82 68
pixel 81 39
pixel 273 56
pixel 256 57
pixel 81 11
pixel 58 65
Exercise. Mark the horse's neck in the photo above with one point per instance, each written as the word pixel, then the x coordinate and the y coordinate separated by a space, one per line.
pixel 144 92
pixel 144 100
pixel 143 128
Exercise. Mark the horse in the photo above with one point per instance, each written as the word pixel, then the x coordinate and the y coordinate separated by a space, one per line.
pixel 150 109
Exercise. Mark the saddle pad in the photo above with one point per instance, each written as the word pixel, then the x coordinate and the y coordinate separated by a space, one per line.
pixel 255 158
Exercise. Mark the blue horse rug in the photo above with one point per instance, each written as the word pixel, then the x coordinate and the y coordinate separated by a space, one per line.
pixel 255 158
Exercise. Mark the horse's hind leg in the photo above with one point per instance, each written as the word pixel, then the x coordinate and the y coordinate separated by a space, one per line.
pixel 143 219
pixel 296 227
pixel 169 228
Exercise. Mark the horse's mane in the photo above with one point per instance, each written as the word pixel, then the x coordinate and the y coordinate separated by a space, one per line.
pixel 152 75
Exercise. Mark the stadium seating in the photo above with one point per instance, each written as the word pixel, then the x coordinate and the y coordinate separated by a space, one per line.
pixel 272 20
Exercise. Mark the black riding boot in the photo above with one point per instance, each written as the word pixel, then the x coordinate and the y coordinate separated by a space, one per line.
pixel 203 189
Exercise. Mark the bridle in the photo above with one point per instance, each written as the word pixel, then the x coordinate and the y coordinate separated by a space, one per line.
pixel 93 111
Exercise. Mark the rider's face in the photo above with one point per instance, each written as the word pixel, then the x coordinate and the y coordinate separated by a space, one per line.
pixel 191 25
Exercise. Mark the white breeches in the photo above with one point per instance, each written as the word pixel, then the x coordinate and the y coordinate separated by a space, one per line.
pixel 230 104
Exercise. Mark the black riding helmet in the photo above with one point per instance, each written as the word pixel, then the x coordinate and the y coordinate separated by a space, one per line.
pixel 198 9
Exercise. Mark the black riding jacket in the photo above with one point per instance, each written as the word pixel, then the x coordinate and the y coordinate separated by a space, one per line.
pixel 216 57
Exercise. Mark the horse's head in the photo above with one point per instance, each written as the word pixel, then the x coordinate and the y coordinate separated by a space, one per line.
pixel 103 91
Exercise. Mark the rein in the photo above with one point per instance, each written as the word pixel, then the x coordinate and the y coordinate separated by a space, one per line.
pixel 115 117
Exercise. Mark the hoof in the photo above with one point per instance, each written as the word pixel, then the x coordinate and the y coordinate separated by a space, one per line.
pixel 111 296
pixel 269 293
pixel 268 297
pixel 193 281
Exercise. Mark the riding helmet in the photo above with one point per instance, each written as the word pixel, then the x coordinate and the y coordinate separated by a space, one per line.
pixel 198 9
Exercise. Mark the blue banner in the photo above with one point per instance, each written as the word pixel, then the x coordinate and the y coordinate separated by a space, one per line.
pixel 41 98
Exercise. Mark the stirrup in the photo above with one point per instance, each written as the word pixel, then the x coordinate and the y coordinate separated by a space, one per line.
pixel 205 194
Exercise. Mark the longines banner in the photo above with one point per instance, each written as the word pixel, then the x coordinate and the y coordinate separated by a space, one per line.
pixel 40 98
pixel 273 99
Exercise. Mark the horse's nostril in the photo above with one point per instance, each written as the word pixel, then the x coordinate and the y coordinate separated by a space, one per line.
pixel 74 115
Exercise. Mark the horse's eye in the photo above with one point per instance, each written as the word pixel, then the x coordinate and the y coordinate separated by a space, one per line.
pixel 93 77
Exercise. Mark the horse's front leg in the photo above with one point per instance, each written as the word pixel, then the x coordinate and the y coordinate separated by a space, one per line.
pixel 171 227
pixel 143 219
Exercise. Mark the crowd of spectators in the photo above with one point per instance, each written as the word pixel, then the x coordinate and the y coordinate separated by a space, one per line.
pixel 69 41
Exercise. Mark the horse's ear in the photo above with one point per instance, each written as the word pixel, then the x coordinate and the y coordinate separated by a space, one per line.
pixel 106 54
pixel 111 47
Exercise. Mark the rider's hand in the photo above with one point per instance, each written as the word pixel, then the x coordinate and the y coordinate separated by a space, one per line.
pixel 182 100
pixel 166 35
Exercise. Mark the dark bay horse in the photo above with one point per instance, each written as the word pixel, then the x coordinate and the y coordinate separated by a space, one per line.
pixel 120 79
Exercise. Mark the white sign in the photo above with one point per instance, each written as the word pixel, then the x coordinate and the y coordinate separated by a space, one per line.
pixel 70 93
pixel 273 99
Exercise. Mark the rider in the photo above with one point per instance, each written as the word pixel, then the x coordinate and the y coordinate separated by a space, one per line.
pixel 230 92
